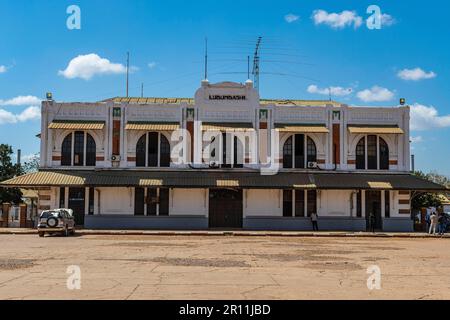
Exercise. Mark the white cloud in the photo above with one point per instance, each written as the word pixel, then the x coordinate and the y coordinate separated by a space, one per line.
pixel 427 117
pixel 30 113
pixel 387 20
pixel 415 74
pixel 21 101
pixel 289 18
pixel 337 20
pixel 335 91
pixel 375 94
pixel 152 64
pixel 417 139
pixel 87 66
pixel 2 69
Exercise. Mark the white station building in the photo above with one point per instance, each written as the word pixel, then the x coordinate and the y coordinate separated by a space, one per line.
pixel 226 159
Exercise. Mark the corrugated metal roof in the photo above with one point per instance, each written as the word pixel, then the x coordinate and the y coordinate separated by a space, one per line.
pixel 76 125
pixel 191 101
pixel 152 100
pixel 227 126
pixel 152 126
pixel 297 102
pixel 374 129
pixel 220 178
pixel 298 128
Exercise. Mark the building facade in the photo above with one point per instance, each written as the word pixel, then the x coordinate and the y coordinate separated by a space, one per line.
pixel 226 159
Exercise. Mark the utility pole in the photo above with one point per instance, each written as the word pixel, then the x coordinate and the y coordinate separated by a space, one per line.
pixel 128 69
pixel 412 163
pixel 142 90
pixel 255 71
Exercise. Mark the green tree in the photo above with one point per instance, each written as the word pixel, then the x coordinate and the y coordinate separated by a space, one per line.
pixel 428 199
pixel 8 170
pixel 32 165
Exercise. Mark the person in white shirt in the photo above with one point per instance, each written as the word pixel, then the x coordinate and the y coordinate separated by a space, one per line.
pixel 314 218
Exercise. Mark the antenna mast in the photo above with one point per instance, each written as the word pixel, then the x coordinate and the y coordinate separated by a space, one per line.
pixel 206 58
pixel 128 69
pixel 255 71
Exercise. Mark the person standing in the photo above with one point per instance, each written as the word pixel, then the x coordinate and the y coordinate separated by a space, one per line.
pixel 434 222
pixel 314 218
pixel 442 224
pixel 427 219
pixel 372 222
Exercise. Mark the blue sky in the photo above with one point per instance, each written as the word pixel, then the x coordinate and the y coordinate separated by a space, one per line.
pixel 307 47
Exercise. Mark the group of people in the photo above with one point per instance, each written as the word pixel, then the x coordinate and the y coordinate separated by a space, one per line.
pixel 436 222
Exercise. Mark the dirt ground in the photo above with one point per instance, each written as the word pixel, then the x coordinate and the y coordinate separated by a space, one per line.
pixel 222 267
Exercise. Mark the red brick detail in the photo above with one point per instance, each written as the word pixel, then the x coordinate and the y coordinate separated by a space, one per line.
pixel 393 162
pixel 351 161
pixel 100 158
pixel 263 125
pixel 247 160
pixel 321 161
pixel 23 216
pixel 404 211
pixel 131 159
pixel 336 143
pixel 56 158
pixel 404 192
pixel 116 137
pixel 403 201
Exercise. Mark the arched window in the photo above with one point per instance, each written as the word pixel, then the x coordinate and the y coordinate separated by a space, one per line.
pixel 295 149
pixel 384 155
pixel 287 153
pixel 311 151
pixel 140 151
pixel 372 152
pixel 66 151
pixel 83 149
pixel 361 154
pixel 164 152
pixel 90 150
pixel 153 150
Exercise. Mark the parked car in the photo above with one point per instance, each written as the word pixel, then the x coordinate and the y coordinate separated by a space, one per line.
pixel 56 221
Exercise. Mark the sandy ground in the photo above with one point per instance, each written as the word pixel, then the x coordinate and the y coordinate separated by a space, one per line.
pixel 223 267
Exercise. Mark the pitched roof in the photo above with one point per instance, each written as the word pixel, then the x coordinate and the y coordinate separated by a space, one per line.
pixel 220 178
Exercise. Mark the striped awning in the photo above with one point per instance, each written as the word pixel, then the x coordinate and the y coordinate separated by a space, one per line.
pixel 152 126
pixel 230 126
pixel 77 125
pixel 372 129
pixel 301 128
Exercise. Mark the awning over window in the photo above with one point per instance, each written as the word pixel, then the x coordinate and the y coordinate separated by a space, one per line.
pixel 371 129
pixel 77 125
pixel 230 126
pixel 152 126
pixel 301 128
pixel 223 179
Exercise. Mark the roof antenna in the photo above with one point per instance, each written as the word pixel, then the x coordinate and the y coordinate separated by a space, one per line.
pixel 206 58
pixel 255 71
pixel 128 69
pixel 142 90
pixel 248 67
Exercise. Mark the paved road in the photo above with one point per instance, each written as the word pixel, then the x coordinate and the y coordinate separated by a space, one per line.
pixel 222 267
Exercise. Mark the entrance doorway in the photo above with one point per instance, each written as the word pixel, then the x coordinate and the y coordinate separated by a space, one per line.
pixel 225 208
pixel 77 204
pixel 373 206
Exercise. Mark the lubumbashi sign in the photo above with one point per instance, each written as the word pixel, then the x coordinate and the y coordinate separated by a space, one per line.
pixel 226 97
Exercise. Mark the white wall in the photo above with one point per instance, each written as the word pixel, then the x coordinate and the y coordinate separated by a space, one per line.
pixel 188 202
pixel 116 201
pixel 263 202
pixel 334 203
